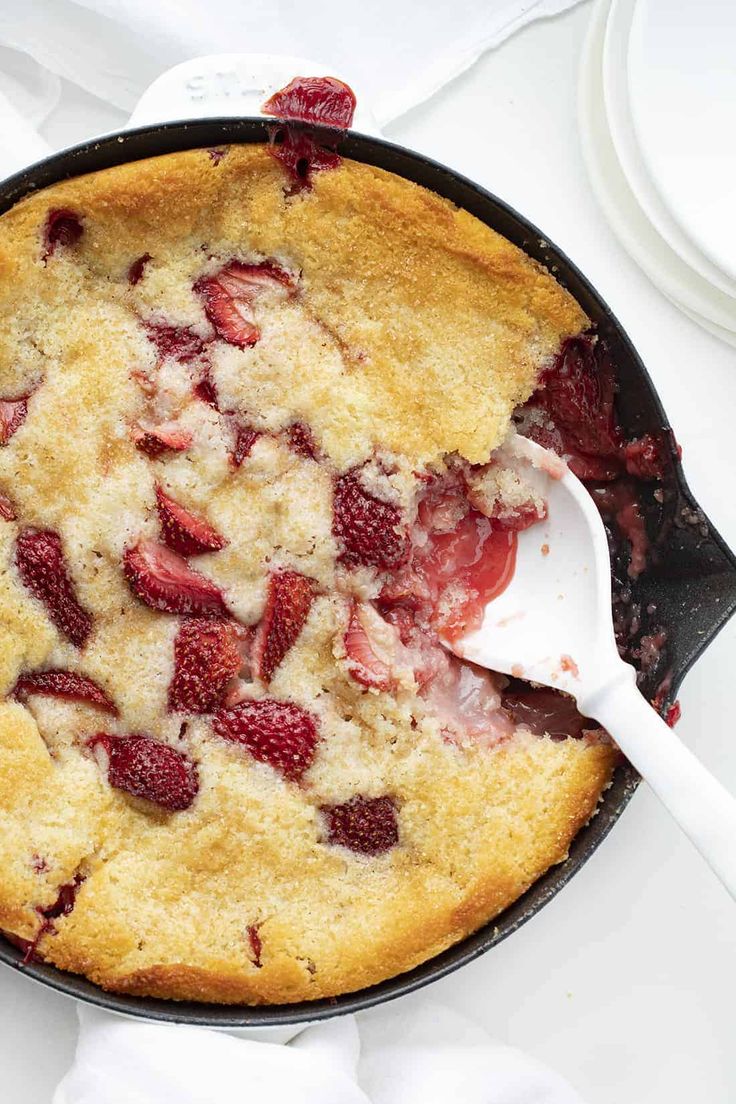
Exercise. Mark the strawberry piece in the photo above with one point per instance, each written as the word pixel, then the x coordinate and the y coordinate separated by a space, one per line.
pixel 176 342
pixel 146 768
pixel 39 557
pixel 206 657
pixel 12 416
pixel 673 714
pixel 256 943
pixel 370 530
pixel 289 600
pixel 64 684
pixel 136 270
pixel 462 561
pixel 324 100
pixel 228 298
pixel 183 531
pixel 216 154
pixel 301 440
pixel 244 438
pixel 274 732
pixel 7 509
pixel 163 580
pixel 206 391
pixel 373 647
pixel 646 456
pixel 367 825
pixel 158 440
pixel 301 156
pixel 63 228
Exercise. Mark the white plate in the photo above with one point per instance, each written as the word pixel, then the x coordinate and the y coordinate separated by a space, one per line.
pixel 630 156
pixel 664 267
pixel 682 80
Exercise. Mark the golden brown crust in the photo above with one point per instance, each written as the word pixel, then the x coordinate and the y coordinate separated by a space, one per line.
pixel 416 330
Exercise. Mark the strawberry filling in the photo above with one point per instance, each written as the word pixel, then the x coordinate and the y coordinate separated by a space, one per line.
pixel 64 684
pixel 324 100
pixel 12 415
pixel 176 342
pixel 288 602
pixel 207 656
pixel 157 441
pixel 373 647
pixel 7 509
pixel 244 438
pixel 229 295
pixel 370 531
pixel 301 440
pixel 163 580
pixel 63 229
pixel 39 558
pixel 367 825
pixel 65 900
pixel 460 560
pixel 319 100
pixel 278 733
pixel 256 943
pixel 137 268
pixel 185 532
pixel 146 768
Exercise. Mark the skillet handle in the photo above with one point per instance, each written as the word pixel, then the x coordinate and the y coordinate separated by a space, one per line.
pixel 230 86
pixel 700 804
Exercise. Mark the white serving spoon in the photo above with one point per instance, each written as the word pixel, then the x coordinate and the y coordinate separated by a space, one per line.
pixel 553 625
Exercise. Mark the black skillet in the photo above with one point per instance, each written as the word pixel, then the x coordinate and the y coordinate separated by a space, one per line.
pixel 689 588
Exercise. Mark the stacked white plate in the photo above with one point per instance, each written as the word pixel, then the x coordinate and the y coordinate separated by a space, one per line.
pixel 658 129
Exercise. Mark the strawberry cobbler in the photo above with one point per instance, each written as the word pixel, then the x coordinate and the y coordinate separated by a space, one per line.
pixel 250 480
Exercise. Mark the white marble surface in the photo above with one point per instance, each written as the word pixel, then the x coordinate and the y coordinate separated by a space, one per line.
pixel 625 981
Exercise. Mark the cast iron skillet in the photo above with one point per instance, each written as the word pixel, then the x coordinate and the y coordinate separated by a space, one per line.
pixel 692 582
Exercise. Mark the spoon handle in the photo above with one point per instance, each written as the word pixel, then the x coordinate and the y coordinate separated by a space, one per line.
pixel 703 808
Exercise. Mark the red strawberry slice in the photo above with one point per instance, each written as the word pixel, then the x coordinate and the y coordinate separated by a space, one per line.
pixel 274 732
pixel 256 943
pixel 7 509
pixel 146 768
pixel 324 100
pixel 64 684
pixel 176 342
pixel 39 557
pixel 183 531
pixel 158 440
pixel 301 440
pixel 228 298
pixel 368 825
pixel 207 656
pixel 63 228
pixel 163 580
pixel 289 600
pixel 12 416
pixel 136 270
pixel 244 438
pixel 373 647
pixel 370 531
pixel 206 391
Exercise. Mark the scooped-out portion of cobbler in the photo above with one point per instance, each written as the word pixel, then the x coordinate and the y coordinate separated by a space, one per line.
pixel 251 476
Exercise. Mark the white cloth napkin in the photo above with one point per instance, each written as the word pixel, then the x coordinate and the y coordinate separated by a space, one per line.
pixel 419 1053
pixel 399 54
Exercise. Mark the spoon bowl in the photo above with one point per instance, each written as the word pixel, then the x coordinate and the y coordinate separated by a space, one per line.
pixel 553 625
